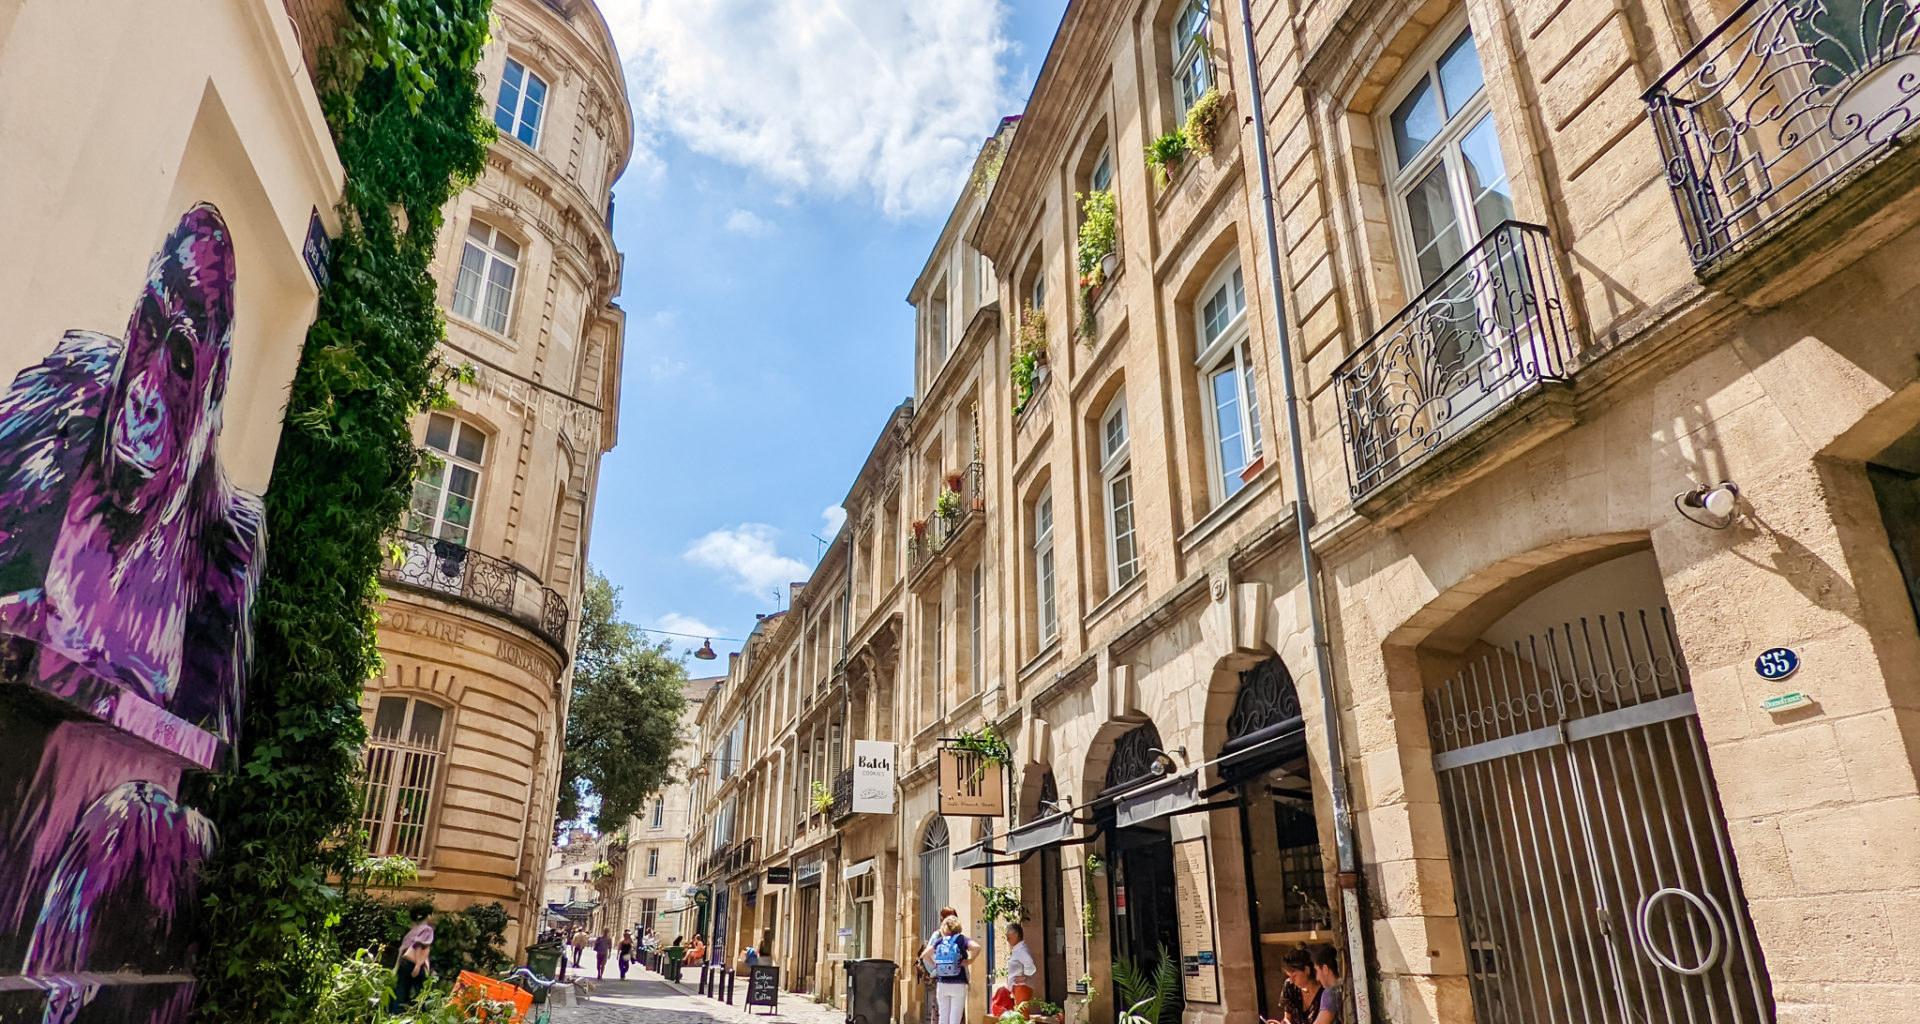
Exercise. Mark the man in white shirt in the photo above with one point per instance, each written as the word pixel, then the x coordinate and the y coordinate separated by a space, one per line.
pixel 1020 965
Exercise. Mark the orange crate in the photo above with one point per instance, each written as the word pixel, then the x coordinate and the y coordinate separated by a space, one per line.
pixel 484 987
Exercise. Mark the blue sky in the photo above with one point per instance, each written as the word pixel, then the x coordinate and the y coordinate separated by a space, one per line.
pixel 796 160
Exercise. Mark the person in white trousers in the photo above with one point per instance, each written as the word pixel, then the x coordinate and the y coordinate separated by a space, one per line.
pixel 947 959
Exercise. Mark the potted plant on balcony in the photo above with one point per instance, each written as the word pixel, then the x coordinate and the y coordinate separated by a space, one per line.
pixel 1164 154
pixel 947 505
pixel 1203 120
pixel 919 529
pixel 820 797
pixel 954 480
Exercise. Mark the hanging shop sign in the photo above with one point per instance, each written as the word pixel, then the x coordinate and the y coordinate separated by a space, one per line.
pixel 780 876
pixel 872 777
pixel 1193 892
pixel 970 786
pixel 1074 888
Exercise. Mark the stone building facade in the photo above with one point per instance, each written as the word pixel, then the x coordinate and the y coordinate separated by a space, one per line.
pixel 159 292
pixel 1473 529
pixel 478 627
pixel 653 895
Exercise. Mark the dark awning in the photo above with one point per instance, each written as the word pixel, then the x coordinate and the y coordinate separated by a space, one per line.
pixel 1157 800
pixel 1052 830
pixel 1275 745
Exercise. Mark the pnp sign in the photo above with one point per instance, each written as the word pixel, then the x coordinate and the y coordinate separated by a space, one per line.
pixel 970 786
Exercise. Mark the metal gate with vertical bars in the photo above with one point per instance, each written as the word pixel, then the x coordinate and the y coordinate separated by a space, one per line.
pixel 1590 860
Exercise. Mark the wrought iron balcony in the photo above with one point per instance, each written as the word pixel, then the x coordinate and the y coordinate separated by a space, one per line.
pixel 1777 107
pixel 492 584
pixel 1491 328
pixel 925 548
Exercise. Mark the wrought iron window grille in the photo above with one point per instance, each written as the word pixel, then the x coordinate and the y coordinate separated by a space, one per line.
pixel 1489 328
pixel 1777 107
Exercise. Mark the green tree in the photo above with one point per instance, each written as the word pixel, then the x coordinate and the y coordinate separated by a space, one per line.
pixel 623 721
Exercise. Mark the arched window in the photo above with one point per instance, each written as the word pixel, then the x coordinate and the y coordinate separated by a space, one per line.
pixel 402 774
pixel 489 264
pixel 934 869
pixel 1225 362
pixel 444 495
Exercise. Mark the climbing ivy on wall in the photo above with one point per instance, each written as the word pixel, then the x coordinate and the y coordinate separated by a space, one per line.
pixel 402 100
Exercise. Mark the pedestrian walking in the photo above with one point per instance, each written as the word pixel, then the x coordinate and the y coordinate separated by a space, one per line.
pixel 580 943
pixel 626 953
pixel 602 946
pixel 947 959
pixel 414 965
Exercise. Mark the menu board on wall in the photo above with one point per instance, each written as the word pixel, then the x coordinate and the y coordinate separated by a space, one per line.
pixel 1073 884
pixel 1193 891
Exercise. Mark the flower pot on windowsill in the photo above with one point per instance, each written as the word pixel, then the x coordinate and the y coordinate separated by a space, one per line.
pixel 954 481
pixel 1253 469
pixel 919 529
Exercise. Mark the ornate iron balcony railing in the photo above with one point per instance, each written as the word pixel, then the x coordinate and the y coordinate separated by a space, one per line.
pixel 494 584
pixel 1491 327
pixel 924 549
pixel 1777 106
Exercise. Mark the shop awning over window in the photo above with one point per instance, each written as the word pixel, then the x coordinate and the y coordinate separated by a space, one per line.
pixel 1157 800
pixel 1052 830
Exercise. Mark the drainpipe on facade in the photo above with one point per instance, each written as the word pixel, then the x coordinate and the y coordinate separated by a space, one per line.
pixel 1346 851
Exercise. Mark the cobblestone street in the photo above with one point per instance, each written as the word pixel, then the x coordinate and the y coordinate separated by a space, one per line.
pixel 644 997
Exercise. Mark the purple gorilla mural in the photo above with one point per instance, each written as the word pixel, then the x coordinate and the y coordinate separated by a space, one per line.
pixel 128 567
pixel 126 559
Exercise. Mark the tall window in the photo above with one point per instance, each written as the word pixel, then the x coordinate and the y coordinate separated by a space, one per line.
pixel 1192 63
pixel 939 661
pixel 937 326
pixel 976 615
pixel 659 814
pixel 649 914
pixel 653 861
pixel 1443 159
pixel 1043 565
pixel 401 773
pixel 1102 178
pixel 523 95
pixel 1226 378
pixel 484 291
pixel 1116 475
pixel 444 494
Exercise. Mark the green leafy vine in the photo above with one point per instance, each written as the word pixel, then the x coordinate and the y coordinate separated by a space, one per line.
pixel 1029 354
pixel 401 97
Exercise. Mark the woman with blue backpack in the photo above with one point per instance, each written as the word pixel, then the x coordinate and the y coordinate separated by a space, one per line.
pixel 946 958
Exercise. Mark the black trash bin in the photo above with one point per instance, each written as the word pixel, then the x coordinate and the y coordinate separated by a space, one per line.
pixel 870 991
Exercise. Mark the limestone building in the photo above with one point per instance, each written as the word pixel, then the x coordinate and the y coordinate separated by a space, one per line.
pixel 478 627
pixel 1472 528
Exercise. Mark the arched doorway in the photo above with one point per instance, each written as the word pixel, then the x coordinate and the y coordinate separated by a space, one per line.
pixel 1140 877
pixel 1052 904
pixel 1264 754
pixel 1589 850
pixel 935 874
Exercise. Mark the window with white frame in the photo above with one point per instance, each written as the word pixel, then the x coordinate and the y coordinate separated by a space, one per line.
pixel 523 96
pixel 1226 381
pixel 445 492
pixel 401 775
pixel 976 614
pixel 1448 181
pixel 1192 59
pixel 659 814
pixel 653 861
pixel 1043 565
pixel 1116 476
pixel 483 293
pixel 982 278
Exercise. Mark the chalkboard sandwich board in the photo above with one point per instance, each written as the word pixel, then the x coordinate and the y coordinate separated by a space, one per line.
pixel 763 986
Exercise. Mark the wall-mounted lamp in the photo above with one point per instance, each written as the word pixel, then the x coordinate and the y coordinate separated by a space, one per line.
pixel 1163 760
pixel 1716 503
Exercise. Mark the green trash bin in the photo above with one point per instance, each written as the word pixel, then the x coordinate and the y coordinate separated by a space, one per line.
pixel 543 959
pixel 675 954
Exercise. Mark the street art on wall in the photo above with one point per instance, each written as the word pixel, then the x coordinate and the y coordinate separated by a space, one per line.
pixel 128 568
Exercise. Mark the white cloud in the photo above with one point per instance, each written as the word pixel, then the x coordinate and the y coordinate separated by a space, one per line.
pixel 832 517
pixel 674 622
pixel 842 96
pixel 749 223
pixel 747 555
